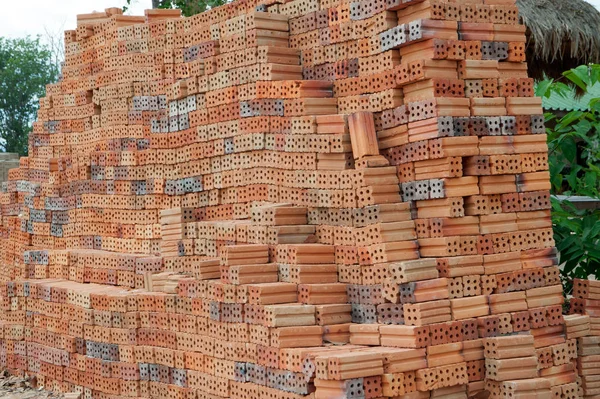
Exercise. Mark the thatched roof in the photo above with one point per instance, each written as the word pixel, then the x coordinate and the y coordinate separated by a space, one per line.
pixel 562 34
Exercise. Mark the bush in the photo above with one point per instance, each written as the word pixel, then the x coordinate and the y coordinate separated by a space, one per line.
pixel 574 163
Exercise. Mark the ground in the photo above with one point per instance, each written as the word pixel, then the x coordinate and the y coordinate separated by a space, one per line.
pixel 20 388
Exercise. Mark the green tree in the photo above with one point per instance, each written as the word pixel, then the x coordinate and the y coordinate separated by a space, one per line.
pixel 574 163
pixel 26 67
pixel 187 7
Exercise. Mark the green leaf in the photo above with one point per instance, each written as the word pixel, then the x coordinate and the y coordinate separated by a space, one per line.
pixel 556 180
pixel 579 76
pixel 542 89
pixel 590 179
pixel 569 118
pixel 566 243
pixel 569 148
pixel 594 74
pixel 570 265
pixel 582 128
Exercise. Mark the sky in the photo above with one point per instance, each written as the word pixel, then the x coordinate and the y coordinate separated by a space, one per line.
pixel 35 17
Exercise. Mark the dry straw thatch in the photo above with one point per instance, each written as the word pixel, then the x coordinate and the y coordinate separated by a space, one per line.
pixel 562 34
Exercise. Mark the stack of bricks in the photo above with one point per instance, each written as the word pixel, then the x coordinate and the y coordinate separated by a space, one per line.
pixel 514 368
pixel 311 198
pixel 91 266
pixel 582 324
pixel 586 301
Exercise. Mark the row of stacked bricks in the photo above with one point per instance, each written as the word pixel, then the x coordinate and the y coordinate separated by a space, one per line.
pixel 583 322
pixel 291 199
pixel 112 343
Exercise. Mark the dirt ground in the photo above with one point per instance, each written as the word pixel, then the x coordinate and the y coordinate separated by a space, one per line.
pixel 20 388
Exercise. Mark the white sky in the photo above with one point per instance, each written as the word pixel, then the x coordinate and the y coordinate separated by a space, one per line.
pixel 31 17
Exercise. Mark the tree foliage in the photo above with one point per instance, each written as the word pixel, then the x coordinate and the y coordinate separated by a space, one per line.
pixel 574 162
pixel 26 66
pixel 187 7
